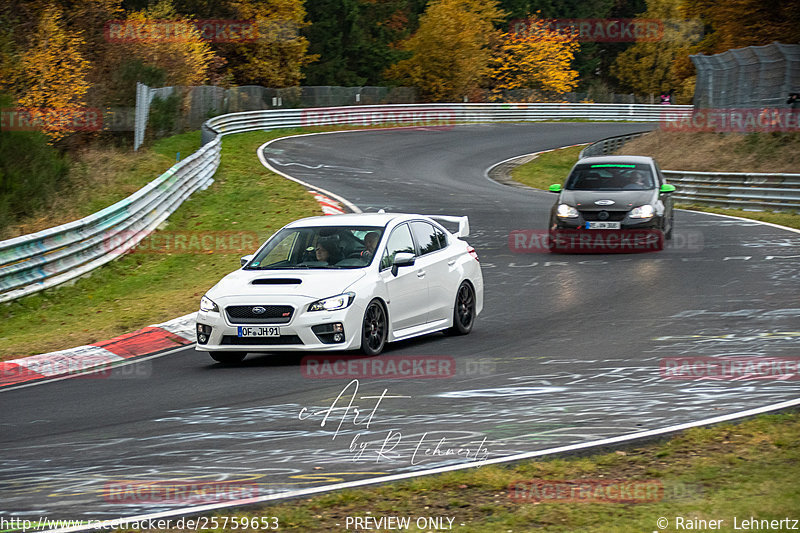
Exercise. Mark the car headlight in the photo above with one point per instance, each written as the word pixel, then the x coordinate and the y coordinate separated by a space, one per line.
pixel 643 211
pixel 206 304
pixel 334 303
pixel 566 211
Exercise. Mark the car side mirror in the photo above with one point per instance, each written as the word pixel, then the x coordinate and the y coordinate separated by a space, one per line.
pixel 667 188
pixel 402 259
pixel 246 259
pixel 555 187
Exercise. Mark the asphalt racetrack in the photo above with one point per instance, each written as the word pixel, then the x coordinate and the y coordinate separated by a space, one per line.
pixel 569 348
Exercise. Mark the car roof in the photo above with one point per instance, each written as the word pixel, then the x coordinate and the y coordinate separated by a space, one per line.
pixel 616 159
pixel 354 219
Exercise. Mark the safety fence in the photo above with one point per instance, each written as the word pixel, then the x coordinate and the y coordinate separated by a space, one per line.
pixel 738 190
pixel 34 262
pixel 183 108
pixel 751 77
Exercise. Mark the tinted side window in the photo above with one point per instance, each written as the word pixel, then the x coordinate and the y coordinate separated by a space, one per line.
pixel 426 237
pixel 441 237
pixel 661 180
pixel 399 241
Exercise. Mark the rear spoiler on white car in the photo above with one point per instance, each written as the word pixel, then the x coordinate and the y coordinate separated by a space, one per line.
pixel 463 223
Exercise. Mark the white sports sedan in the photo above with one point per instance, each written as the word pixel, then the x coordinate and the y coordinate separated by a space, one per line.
pixel 344 282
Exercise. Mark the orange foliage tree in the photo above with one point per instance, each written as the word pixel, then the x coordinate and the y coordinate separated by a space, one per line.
pixel 184 57
pixel 539 60
pixel 450 51
pixel 276 57
pixel 52 75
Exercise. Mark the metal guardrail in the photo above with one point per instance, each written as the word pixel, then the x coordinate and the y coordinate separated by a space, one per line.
pixel 34 262
pixel 739 190
pixel 440 115
pixel 608 146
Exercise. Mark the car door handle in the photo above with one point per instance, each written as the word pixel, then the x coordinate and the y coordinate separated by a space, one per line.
pixel 421 274
pixel 451 262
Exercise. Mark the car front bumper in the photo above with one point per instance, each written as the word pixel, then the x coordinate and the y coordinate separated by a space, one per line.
pixel 306 331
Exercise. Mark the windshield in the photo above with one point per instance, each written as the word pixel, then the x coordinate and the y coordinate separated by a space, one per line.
pixel 611 177
pixel 319 247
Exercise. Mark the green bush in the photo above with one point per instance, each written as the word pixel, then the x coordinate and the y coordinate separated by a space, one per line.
pixel 164 114
pixel 31 173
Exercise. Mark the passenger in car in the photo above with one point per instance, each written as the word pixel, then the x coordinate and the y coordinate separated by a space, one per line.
pixel 370 243
pixel 328 251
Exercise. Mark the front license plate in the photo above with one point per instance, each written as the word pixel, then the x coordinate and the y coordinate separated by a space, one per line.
pixel 259 331
pixel 602 225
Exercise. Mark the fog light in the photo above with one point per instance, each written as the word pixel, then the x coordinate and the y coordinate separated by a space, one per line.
pixel 203 333
pixel 329 333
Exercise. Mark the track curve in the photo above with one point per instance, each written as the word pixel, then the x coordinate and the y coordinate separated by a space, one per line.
pixel 567 350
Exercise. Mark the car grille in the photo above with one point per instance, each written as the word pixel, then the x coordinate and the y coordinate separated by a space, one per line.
pixel 260 341
pixel 613 216
pixel 273 314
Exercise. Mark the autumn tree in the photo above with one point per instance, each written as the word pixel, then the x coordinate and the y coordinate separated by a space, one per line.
pixel 52 83
pixel 650 67
pixel 276 57
pixel 538 59
pixel 740 23
pixel 451 49
pixel 736 24
pixel 184 60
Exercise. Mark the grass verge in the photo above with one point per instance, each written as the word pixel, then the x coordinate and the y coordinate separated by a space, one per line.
pixel 743 471
pixel 100 177
pixel 553 167
pixel 548 168
pixel 145 288
pixel 720 152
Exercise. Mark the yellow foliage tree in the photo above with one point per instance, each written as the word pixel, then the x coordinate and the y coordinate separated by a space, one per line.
pixel 183 54
pixel 539 59
pixel 276 57
pixel 451 49
pixel 53 71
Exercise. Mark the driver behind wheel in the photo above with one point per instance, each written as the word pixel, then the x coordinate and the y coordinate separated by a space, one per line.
pixel 328 251
pixel 370 243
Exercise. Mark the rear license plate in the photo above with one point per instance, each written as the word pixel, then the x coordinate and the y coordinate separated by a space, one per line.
pixel 259 331
pixel 602 225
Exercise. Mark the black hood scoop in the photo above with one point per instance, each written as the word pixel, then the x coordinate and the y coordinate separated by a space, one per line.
pixel 276 281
